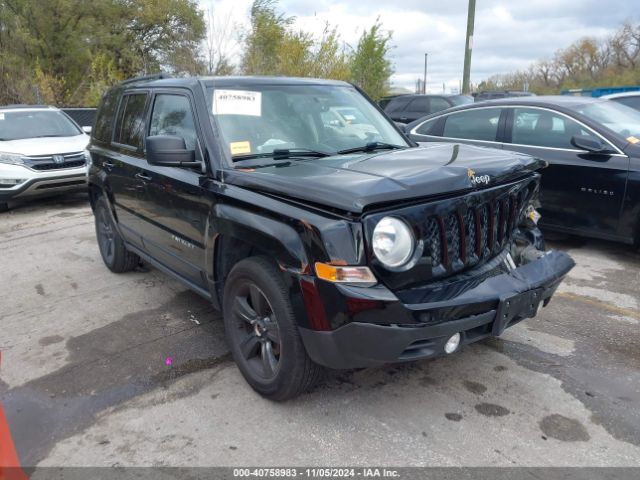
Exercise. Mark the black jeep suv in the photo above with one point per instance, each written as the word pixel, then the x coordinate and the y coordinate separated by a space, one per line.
pixel 323 244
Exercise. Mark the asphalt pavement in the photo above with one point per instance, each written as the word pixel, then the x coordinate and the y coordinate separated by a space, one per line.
pixel 100 369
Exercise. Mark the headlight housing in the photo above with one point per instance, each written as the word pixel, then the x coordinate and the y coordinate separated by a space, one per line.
pixel 11 158
pixel 393 242
pixel 87 158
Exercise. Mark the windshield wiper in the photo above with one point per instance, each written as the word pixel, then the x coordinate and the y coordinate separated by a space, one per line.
pixel 282 154
pixel 370 147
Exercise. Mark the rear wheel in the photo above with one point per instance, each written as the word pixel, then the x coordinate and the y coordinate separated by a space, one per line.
pixel 112 248
pixel 262 332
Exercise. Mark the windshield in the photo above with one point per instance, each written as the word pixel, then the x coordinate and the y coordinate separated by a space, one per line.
pixel 321 118
pixel 621 119
pixel 21 124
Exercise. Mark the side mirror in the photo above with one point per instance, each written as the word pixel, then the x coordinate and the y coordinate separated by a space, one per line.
pixel 87 129
pixel 169 151
pixel 590 144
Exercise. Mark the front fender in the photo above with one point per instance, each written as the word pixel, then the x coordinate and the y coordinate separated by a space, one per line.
pixel 269 235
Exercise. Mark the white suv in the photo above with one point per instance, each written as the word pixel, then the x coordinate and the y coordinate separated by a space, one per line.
pixel 42 152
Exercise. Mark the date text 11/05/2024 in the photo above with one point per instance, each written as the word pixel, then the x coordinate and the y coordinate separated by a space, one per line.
pixel 367 472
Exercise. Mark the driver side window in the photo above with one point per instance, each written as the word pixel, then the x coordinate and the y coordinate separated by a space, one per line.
pixel 172 115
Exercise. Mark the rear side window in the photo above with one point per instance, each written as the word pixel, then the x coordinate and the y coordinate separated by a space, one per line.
pixel 478 124
pixel 420 104
pixel 429 127
pixel 130 124
pixel 105 117
pixel 397 104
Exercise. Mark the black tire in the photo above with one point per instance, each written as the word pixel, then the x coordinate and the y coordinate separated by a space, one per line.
pixel 262 332
pixel 112 248
pixel 4 207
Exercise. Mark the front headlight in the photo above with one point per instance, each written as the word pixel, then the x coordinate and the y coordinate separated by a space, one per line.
pixel 11 158
pixel 87 158
pixel 393 242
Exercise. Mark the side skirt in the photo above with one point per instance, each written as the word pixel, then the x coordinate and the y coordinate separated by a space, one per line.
pixel 199 290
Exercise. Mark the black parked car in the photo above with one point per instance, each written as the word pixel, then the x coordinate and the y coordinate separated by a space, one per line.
pixel 384 101
pixel 321 249
pixel 407 108
pixel 592 184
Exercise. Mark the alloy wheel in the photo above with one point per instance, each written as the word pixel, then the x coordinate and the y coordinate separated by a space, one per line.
pixel 106 237
pixel 257 333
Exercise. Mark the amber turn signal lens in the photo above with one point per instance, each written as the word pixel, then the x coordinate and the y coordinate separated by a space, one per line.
pixel 342 274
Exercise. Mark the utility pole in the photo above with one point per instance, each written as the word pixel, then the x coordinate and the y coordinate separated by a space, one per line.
pixel 424 84
pixel 468 47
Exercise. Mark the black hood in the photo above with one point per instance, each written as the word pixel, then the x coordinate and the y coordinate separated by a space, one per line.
pixel 353 182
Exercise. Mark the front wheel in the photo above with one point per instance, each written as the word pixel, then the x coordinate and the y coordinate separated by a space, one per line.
pixel 112 248
pixel 262 332
pixel 4 207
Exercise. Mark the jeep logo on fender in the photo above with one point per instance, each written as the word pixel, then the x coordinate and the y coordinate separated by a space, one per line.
pixel 475 180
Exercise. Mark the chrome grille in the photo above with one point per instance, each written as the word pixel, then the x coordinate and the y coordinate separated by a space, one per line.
pixel 46 162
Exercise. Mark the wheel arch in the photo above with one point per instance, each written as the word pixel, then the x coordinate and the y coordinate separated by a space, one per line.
pixel 238 234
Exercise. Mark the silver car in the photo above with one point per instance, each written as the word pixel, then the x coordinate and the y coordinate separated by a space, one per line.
pixel 42 152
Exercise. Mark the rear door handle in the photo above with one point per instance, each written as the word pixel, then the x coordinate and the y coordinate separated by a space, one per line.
pixel 143 177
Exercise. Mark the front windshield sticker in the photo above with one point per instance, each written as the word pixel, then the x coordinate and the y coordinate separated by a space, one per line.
pixel 633 139
pixel 237 102
pixel 238 148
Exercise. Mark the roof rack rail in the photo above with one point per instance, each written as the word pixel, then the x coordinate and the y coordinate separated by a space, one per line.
pixel 142 78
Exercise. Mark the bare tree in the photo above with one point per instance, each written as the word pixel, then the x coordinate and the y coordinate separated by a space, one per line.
pixel 625 46
pixel 220 42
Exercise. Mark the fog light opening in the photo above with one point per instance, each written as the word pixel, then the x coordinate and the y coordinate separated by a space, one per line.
pixel 452 344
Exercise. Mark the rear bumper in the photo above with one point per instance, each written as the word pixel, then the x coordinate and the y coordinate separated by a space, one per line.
pixel 509 298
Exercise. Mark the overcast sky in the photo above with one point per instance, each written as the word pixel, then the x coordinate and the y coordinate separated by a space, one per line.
pixel 509 35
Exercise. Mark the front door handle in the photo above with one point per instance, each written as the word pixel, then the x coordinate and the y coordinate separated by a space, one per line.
pixel 108 165
pixel 143 177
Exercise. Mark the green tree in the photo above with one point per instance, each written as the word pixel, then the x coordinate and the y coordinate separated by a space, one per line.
pixel 330 58
pixel 68 49
pixel 265 39
pixel 371 68
pixel 162 33
pixel 273 47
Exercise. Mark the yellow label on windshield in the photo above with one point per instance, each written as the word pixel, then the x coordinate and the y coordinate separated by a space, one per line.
pixel 633 139
pixel 238 148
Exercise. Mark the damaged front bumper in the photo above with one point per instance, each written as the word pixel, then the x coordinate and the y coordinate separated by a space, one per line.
pixel 372 326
